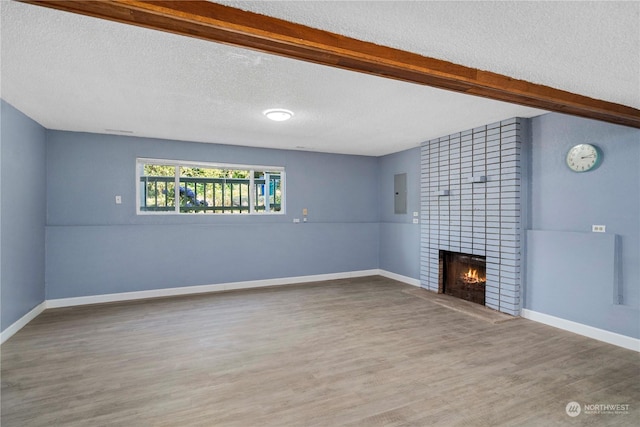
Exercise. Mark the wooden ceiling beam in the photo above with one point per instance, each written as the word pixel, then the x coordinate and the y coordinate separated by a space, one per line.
pixel 222 24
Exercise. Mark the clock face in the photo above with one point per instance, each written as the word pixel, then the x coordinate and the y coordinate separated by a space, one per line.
pixel 583 158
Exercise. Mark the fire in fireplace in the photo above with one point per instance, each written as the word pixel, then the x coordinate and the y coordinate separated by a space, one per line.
pixel 463 276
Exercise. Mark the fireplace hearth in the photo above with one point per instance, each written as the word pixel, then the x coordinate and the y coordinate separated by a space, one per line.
pixel 463 276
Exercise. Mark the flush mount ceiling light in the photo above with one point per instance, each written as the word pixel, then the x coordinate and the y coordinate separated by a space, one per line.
pixel 278 114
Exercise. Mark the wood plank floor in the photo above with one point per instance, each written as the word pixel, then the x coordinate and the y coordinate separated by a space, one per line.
pixel 359 352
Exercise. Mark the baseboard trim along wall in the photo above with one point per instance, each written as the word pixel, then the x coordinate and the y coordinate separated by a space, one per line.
pixel 584 330
pixel 203 289
pixel 189 290
pixel 567 325
pixel 400 278
pixel 22 322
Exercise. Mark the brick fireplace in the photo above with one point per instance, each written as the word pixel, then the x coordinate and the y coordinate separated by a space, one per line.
pixel 472 203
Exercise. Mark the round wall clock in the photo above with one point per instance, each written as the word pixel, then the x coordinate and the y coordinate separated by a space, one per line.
pixel 583 157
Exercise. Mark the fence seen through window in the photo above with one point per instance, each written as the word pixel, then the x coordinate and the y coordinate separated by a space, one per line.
pixel 186 187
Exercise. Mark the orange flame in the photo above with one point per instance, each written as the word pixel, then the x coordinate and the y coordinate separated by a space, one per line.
pixel 472 276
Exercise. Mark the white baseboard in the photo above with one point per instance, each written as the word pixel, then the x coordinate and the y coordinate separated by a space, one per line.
pixel 201 289
pixel 188 290
pixel 22 322
pixel 400 278
pixel 584 330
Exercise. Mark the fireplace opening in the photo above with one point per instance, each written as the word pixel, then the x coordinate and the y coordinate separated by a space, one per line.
pixel 463 276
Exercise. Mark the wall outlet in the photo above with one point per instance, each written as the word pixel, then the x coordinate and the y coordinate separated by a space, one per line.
pixel 118 200
pixel 296 220
pixel 415 220
pixel 415 214
pixel 598 228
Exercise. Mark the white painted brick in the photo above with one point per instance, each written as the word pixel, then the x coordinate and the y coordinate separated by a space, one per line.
pixel 511 256
pixel 506 133
pixel 512 122
pixel 466 145
pixel 493 164
pixel 511 190
pixel 493 151
pixel 493 139
pixel 492 253
pixel 509 148
pixel 509 176
pixel 493 246
pixel 504 263
pixel 494 281
pixel 510 159
pixel 509 268
pixel 509 278
pixel 492 304
pixel 509 290
pixel 508 302
pixel 491 289
pixel 506 171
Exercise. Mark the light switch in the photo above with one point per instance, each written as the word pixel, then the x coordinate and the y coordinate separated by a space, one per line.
pixel 304 211
pixel 118 200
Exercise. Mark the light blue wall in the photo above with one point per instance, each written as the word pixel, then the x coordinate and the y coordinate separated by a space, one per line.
pixel 564 203
pixel 22 229
pixel 94 246
pixel 97 247
pixel 399 237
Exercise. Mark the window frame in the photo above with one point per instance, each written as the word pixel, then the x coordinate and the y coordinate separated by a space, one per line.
pixel 140 161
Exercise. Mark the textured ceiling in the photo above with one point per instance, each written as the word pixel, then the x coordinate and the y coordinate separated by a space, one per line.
pixel 587 47
pixel 77 73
